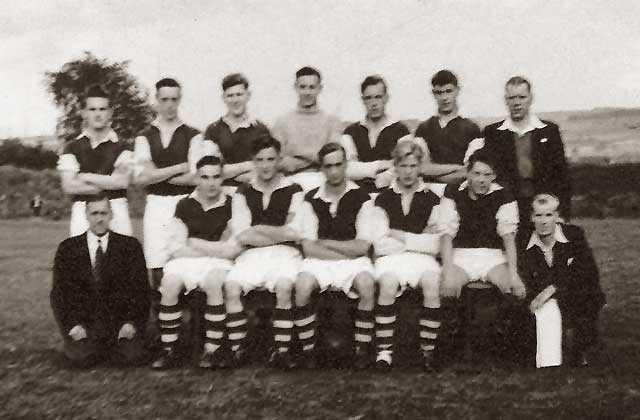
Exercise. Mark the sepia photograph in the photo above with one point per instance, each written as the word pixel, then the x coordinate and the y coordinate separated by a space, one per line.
pixel 330 209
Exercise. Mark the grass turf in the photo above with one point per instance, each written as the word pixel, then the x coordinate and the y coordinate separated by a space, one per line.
pixel 34 385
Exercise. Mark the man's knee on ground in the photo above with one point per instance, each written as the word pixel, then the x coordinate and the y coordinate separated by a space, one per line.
pixel 305 284
pixel 499 277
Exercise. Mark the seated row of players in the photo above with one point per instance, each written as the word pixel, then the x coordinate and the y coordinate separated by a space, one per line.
pixel 335 224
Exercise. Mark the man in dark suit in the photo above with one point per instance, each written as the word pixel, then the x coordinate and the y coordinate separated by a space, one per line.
pixel 558 268
pixel 529 151
pixel 100 294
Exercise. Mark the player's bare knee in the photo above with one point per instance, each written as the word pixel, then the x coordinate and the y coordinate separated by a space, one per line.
pixel 389 286
pixel 364 285
pixel 283 290
pixel 170 287
pixel 214 282
pixel 430 284
pixel 232 291
pixel 304 287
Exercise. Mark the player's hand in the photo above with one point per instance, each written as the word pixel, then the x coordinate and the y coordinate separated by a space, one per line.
pixel 78 333
pixel 384 165
pixel 384 179
pixel 245 177
pixel 289 164
pixel 184 168
pixel 388 246
pixel 127 331
pixel 517 286
pixel 398 235
pixel 448 286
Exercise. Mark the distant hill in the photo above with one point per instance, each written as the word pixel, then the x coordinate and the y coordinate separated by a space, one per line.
pixel 600 135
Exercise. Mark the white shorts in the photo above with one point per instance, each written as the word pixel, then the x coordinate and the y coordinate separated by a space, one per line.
pixel 263 267
pixel 308 180
pixel 193 271
pixel 407 268
pixel 158 214
pixel 337 274
pixel 120 223
pixel 477 262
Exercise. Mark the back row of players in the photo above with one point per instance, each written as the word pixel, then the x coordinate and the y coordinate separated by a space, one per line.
pixel 289 193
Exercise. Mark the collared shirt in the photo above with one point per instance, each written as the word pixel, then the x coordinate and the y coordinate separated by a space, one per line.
pixel 308 223
pixel 177 231
pixel 67 162
pixel 547 251
pixel 241 219
pixel 533 123
pixel 92 243
pixel 507 125
pixel 246 122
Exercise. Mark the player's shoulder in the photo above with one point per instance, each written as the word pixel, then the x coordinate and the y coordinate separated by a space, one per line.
pixel 74 145
pixel 189 130
pixel 353 127
pixel 503 195
pixel 425 126
pixel 310 195
pixel 573 232
pixel 493 126
pixel 127 241
pixel 399 127
pixel 468 124
pixel 451 191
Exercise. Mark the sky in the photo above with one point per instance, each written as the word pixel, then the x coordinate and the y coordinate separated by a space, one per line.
pixel 579 54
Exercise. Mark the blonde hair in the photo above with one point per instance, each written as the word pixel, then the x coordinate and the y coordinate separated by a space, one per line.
pixel 406 148
pixel 546 198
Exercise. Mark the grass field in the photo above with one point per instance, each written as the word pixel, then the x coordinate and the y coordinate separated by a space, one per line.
pixel 33 384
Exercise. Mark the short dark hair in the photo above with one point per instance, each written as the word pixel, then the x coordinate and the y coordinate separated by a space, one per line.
pixel 234 79
pixel 265 142
pixel 308 71
pixel 95 198
pixel 95 91
pixel 372 81
pixel 209 160
pixel 444 77
pixel 330 148
pixel 481 155
pixel 167 82
pixel 518 80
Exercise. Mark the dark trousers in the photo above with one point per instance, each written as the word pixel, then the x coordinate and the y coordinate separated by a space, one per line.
pixel 88 352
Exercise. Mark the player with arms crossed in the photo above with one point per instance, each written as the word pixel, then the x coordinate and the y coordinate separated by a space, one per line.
pixel 335 227
pixel 404 217
pixel 479 221
pixel 305 130
pixel 447 135
pixel 264 221
pixel 201 254
pixel 97 162
pixel 369 143
pixel 234 134
pixel 166 154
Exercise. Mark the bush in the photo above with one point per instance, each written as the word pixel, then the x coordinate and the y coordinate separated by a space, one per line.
pixel 13 152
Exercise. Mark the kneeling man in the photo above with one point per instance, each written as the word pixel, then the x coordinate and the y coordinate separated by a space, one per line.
pixel 264 221
pixel 560 272
pixel 334 222
pixel 100 294
pixel 405 248
pixel 201 255
pixel 479 220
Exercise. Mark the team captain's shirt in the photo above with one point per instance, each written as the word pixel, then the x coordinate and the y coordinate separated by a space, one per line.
pixel 478 223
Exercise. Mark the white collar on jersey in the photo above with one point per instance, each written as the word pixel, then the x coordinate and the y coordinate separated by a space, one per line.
pixel 533 123
pixel 422 186
pixel 218 203
pixel 322 191
pixel 282 182
pixel 558 236
pixel 492 188
pixel 111 136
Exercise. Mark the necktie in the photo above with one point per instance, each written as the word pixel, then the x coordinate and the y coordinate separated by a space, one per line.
pixel 99 262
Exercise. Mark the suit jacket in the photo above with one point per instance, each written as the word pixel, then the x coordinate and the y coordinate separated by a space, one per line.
pixel 122 294
pixel 550 172
pixel 573 272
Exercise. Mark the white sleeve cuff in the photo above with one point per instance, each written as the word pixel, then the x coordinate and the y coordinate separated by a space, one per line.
pixel 449 220
pixel 68 163
pixel 507 218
